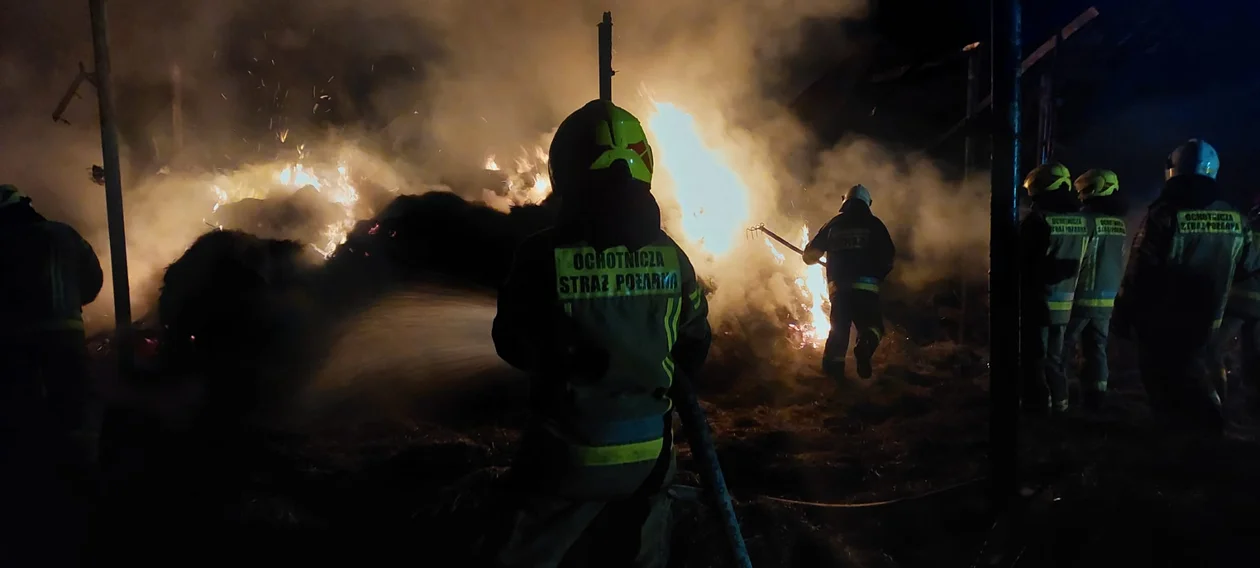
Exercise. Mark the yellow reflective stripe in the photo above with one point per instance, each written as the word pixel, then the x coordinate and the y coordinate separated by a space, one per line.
pixel 865 286
pixel 1217 323
pixel 695 298
pixel 568 309
pixel 668 366
pixel 618 454
pixel 1097 303
pixel 1060 305
pixel 672 308
pixel 879 334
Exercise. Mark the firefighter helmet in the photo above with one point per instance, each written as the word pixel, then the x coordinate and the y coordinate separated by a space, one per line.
pixel 1195 157
pixel 9 195
pixel 1047 177
pixel 860 193
pixel 597 137
pixel 1097 183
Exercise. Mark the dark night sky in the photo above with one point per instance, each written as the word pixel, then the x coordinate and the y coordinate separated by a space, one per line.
pixel 1185 70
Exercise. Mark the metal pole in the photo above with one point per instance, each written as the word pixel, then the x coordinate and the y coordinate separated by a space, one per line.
pixel 113 188
pixel 973 57
pixel 605 58
pixel 1004 317
pixel 177 109
pixel 1043 119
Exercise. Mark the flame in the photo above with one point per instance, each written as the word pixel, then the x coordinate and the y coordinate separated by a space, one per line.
pixel 714 200
pixel 814 283
pixel 334 183
pixel 526 184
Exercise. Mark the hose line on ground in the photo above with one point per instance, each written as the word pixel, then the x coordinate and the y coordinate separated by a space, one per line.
pixel 690 493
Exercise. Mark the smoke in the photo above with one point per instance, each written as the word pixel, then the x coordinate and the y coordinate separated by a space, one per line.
pixel 941 227
pixel 428 90
pixel 418 340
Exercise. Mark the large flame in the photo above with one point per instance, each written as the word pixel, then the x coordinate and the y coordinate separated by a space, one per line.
pixel 713 197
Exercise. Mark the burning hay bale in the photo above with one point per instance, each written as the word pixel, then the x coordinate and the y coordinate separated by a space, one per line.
pixel 303 216
pixel 437 236
pixel 234 311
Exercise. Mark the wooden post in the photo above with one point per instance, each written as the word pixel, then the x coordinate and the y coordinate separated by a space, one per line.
pixel 177 110
pixel 1004 320
pixel 113 189
pixel 605 58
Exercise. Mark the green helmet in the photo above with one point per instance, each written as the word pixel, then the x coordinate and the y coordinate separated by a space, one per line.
pixel 9 195
pixel 1097 183
pixel 596 137
pixel 1047 177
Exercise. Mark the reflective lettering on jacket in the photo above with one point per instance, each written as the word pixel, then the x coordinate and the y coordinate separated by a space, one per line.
pixel 611 290
pixel 1102 267
pixel 584 273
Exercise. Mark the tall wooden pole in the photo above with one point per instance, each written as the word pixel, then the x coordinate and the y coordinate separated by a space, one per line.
pixel 605 58
pixel 177 109
pixel 113 188
pixel 1004 317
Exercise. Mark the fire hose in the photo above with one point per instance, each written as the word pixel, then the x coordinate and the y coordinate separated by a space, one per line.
pixel 703 449
pixel 783 241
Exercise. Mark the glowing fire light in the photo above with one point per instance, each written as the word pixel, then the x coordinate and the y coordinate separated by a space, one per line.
pixel 336 186
pixel 713 197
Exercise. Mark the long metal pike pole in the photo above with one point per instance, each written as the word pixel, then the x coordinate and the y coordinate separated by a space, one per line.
pixel 605 58
pixel 783 241
pixel 113 189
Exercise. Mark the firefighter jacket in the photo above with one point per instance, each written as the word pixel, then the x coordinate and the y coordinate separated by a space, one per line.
pixel 49 273
pixel 1053 237
pixel 602 332
pixel 859 250
pixel 1188 251
pixel 1102 267
pixel 1244 295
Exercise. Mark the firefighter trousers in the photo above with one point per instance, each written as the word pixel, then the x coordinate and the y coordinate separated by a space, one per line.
pixel 1181 384
pixel 1044 377
pixel 1241 392
pixel 853 309
pixel 1090 332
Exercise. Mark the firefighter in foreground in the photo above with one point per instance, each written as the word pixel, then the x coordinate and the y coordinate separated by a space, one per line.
pixel 1242 321
pixel 600 310
pixel 1102 268
pixel 859 255
pixel 1190 248
pixel 1052 238
pixel 47 274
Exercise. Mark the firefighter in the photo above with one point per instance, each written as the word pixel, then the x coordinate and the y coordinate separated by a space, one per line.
pixel 859 255
pixel 1052 238
pixel 1191 246
pixel 602 310
pixel 1242 321
pixel 1102 268
pixel 47 274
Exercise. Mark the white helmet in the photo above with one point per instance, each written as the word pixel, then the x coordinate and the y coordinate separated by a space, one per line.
pixel 1195 157
pixel 860 193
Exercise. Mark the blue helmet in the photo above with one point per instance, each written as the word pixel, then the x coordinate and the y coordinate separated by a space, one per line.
pixel 1195 157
